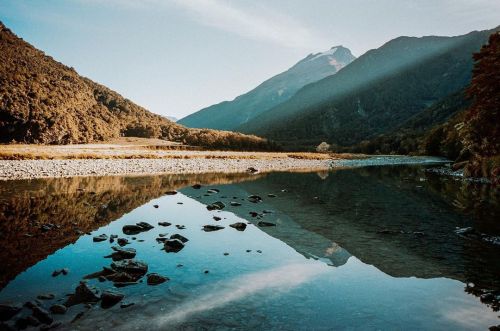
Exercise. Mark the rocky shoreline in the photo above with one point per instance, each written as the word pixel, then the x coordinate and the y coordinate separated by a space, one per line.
pixel 30 169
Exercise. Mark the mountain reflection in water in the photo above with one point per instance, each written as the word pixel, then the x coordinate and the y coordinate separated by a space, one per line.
pixel 348 247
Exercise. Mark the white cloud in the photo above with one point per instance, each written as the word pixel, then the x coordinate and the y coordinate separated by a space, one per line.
pixel 251 20
pixel 259 23
pixel 276 280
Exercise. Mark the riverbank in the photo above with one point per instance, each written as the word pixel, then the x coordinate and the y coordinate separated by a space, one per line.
pixel 29 169
pixel 195 162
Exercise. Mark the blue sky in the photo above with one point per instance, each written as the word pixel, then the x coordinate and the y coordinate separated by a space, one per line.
pixel 175 57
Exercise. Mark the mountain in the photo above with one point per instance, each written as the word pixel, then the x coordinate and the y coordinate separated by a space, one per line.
pixel 230 114
pixel 44 101
pixel 414 135
pixel 373 95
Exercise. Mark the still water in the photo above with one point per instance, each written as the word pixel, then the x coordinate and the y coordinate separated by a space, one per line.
pixel 354 249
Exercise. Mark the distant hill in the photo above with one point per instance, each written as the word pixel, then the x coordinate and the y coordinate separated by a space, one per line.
pixel 375 94
pixel 230 114
pixel 44 101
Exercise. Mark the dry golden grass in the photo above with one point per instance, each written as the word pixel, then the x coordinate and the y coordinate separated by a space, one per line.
pixel 110 151
pixel 138 148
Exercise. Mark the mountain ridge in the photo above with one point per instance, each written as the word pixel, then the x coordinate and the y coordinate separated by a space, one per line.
pixel 227 115
pixel 376 92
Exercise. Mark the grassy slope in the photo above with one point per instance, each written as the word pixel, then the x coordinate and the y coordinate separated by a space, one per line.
pixel 44 101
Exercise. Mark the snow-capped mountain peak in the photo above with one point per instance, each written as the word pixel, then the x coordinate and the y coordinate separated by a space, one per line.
pixel 329 52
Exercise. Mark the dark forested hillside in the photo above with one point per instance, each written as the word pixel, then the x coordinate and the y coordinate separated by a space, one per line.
pixel 44 101
pixel 412 136
pixel 472 136
pixel 230 114
pixel 375 94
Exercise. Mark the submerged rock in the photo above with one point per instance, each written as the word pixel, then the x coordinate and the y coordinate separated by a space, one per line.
pixel 122 253
pixel 83 294
pixel 58 309
pixel 173 245
pixel 145 226
pixel 217 218
pixel 126 304
pixel 56 273
pixel 210 228
pixel 42 315
pixel 99 238
pixel 164 223
pixel 254 198
pixel 134 268
pixel 196 186
pixel 218 205
pixel 235 204
pixel 155 279
pixel 137 228
pixel 122 241
pixel 110 298
pixel 240 226
pixel 132 229
pixel 8 311
pixel 264 223
pixel 47 296
pixel 387 231
pixel 180 237
pixel 171 192
pixel 270 195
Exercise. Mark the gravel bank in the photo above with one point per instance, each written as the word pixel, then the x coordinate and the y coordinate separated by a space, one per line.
pixel 27 169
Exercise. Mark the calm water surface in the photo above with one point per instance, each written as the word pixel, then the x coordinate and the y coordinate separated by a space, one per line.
pixel 355 249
